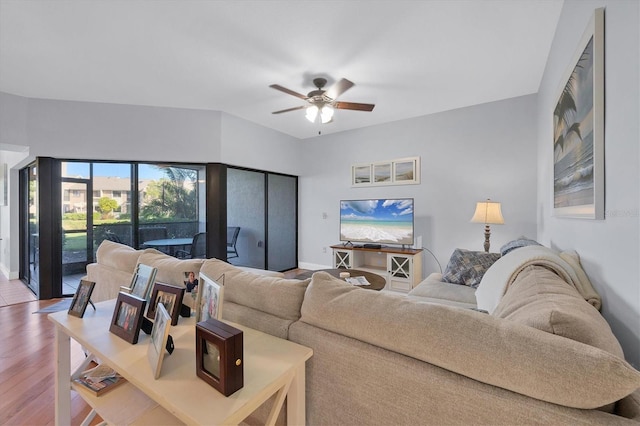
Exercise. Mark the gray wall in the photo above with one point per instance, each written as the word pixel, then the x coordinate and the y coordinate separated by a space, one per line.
pixel 610 248
pixel 467 155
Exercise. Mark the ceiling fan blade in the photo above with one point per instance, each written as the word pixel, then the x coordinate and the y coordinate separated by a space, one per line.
pixel 354 106
pixel 290 92
pixel 288 109
pixel 338 88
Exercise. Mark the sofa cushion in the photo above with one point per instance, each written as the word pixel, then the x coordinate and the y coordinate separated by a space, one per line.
pixel 467 267
pixel 540 298
pixel 433 287
pixel 482 347
pixel 118 256
pixel 276 296
pixel 170 269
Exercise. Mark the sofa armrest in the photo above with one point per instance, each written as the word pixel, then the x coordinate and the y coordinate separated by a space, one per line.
pixel 433 287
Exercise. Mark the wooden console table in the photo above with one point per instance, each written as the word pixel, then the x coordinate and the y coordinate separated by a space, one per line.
pixel 271 366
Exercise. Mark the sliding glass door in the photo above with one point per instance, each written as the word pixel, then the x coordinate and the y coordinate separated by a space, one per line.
pixel 264 206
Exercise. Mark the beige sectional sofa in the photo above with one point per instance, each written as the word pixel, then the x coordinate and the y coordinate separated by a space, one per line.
pixel 543 354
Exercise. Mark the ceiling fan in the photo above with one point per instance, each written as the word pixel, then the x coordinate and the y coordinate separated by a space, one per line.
pixel 323 102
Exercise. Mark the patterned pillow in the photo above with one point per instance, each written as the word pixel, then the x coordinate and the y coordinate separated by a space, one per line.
pixel 520 242
pixel 467 267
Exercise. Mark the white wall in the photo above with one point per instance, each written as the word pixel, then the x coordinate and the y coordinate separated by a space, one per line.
pixel 84 130
pixel 610 248
pixel 250 145
pixel 96 131
pixel 467 155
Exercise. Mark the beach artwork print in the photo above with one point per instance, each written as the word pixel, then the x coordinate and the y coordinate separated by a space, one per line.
pixel 383 221
pixel 578 140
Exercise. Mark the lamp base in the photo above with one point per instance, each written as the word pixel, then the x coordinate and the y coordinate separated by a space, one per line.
pixel 487 236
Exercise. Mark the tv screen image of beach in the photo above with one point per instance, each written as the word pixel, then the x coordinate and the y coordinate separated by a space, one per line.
pixel 388 221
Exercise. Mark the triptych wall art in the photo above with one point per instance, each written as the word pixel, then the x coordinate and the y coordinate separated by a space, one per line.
pixel 403 171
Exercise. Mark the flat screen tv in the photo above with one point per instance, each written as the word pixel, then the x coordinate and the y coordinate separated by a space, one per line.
pixel 377 221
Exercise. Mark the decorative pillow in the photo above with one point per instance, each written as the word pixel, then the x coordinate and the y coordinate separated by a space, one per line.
pixel 520 242
pixel 467 267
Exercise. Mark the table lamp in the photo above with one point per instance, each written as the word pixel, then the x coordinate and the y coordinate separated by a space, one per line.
pixel 489 213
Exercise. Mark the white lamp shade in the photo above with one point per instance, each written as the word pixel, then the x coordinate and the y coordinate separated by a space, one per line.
pixel 326 114
pixel 312 113
pixel 488 212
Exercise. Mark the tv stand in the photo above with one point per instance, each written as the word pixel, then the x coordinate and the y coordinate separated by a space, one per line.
pixel 401 267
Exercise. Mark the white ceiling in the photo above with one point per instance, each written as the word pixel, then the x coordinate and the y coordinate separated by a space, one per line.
pixel 410 58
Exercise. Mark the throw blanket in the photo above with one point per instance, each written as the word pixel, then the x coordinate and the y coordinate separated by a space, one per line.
pixel 504 271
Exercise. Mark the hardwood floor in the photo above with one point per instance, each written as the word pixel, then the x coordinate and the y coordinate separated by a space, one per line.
pixel 27 366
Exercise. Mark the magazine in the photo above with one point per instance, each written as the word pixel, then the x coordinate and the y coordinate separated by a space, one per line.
pixel 100 379
pixel 357 281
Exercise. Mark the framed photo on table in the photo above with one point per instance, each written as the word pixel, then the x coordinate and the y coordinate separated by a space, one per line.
pixel 127 317
pixel 141 282
pixel 170 297
pixel 219 354
pixel 82 298
pixel 159 337
pixel 210 297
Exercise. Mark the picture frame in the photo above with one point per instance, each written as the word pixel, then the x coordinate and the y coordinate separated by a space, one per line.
pixel 159 337
pixel 402 171
pixel 127 317
pixel 170 296
pixel 141 281
pixel 210 298
pixel 578 129
pixel 361 174
pixel 382 173
pixel 406 171
pixel 81 298
pixel 219 355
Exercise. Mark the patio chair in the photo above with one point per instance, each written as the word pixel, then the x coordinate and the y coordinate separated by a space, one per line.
pixel 112 236
pixel 153 233
pixel 232 238
pixel 197 250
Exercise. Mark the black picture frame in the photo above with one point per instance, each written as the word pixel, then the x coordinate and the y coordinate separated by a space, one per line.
pixel 170 296
pixel 127 317
pixel 81 298
pixel 219 356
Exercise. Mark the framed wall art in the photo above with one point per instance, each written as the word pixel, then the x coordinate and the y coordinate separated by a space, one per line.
pixel 578 130
pixel 403 171
pixel 361 174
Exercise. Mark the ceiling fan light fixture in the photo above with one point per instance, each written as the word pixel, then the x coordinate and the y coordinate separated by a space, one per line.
pixel 326 114
pixel 312 113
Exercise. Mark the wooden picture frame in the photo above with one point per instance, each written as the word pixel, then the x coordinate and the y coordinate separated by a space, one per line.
pixel 141 281
pixel 219 355
pixel 81 298
pixel 159 337
pixel 578 130
pixel 210 298
pixel 170 296
pixel 127 317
